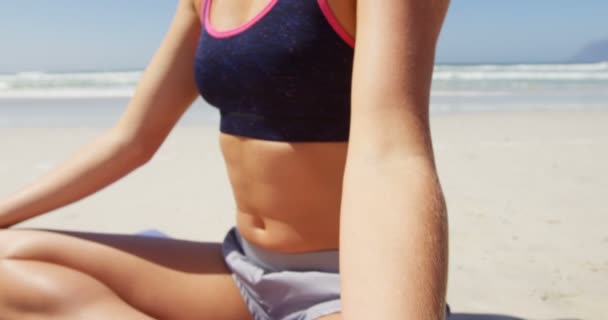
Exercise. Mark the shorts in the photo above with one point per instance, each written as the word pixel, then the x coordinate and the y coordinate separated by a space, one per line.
pixel 284 286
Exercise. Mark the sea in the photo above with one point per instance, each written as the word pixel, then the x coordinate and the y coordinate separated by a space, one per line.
pixel 97 98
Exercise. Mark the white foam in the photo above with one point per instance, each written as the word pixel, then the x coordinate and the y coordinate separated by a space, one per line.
pixel 493 79
pixel 522 75
pixel 67 93
pixel 599 66
pixel 536 72
pixel 467 93
pixel 36 84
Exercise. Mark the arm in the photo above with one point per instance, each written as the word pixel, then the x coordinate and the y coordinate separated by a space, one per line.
pixel 165 91
pixel 393 230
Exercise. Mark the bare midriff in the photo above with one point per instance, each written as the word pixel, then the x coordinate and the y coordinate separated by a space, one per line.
pixel 287 195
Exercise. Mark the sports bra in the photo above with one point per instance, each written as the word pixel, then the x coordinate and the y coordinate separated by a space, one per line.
pixel 284 76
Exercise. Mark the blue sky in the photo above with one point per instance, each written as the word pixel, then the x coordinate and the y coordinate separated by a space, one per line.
pixel 118 34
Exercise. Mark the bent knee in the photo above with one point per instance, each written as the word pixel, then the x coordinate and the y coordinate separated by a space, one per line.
pixel 11 242
pixel 27 290
pixel 21 244
pixel 42 288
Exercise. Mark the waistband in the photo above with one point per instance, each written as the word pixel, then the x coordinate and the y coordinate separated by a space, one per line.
pixel 324 261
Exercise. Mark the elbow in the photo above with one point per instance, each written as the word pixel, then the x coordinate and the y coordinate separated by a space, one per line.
pixel 134 150
pixel 141 153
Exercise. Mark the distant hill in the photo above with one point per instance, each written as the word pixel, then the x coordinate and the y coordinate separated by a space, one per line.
pixel 596 51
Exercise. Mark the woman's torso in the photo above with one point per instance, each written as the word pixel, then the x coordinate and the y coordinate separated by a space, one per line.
pixel 287 194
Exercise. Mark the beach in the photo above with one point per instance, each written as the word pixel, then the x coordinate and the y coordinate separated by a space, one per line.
pixel 521 152
pixel 526 196
pixel 525 191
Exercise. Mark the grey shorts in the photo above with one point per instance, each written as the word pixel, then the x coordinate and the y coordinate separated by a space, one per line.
pixel 283 286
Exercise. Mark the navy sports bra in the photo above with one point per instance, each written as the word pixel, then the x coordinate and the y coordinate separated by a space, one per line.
pixel 285 75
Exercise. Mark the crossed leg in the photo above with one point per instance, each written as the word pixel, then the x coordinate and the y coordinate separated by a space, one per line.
pixel 70 275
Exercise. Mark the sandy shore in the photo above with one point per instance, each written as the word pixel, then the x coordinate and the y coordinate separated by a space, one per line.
pixel 526 195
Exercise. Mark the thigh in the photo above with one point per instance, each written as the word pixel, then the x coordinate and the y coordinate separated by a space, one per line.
pixel 166 278
pixel 40 290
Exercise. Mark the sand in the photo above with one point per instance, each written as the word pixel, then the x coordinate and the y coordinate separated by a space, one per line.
pixel 526 195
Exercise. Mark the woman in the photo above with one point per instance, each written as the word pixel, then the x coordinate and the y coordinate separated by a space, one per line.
pixel 327 146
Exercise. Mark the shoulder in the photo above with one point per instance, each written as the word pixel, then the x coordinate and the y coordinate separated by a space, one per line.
pixel 392 73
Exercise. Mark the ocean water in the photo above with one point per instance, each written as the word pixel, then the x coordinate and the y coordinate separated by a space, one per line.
pixel 98 98
pixel 520 87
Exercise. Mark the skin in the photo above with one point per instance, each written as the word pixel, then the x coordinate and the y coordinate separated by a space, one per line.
pixel 290 197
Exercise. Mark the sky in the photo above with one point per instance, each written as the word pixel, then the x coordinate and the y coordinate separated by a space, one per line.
pixel 77 35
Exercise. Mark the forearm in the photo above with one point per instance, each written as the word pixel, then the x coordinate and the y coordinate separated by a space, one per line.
pixel 94 167
pixel 394 240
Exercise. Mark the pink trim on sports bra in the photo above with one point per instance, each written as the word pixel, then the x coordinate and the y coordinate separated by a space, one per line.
pixel 234 31
pixel 331 18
